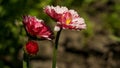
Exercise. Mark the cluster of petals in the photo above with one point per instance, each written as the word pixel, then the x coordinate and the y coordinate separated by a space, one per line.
pixel 31 48
pixel 66 19
pixel 37 28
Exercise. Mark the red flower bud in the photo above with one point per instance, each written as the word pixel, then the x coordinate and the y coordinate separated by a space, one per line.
pixel 31 47
pixel 37 28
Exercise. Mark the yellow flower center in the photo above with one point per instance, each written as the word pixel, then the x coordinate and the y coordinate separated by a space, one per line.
pixel 66 18
pixel 68 21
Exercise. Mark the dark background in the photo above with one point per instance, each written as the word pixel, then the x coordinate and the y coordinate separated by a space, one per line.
pixel 96 47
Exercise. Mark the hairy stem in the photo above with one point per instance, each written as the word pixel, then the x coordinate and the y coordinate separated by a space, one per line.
pixel 55 49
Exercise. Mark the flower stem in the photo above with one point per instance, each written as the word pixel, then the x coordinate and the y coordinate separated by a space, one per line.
pixel 25 61
pixel 55 49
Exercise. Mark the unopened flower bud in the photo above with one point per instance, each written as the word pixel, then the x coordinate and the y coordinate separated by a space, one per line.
pixel 31 47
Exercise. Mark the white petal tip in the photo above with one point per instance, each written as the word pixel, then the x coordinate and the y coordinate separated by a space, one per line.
pixel 57 28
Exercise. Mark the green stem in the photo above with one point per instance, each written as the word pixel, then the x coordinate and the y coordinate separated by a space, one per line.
pixel 25 61
pixel 24 64
pixel 55 49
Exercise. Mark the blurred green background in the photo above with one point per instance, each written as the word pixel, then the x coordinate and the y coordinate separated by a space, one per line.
pixel 101 16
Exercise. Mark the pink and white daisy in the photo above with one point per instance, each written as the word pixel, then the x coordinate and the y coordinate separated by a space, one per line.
pixel 37 28
pixel 66 19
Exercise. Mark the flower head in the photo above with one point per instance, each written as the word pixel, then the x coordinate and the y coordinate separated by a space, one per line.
pixel 31 47
pixel 37 28
pixel 66 19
